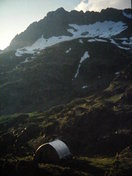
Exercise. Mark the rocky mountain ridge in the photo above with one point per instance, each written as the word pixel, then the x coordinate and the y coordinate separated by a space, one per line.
pixel 56 24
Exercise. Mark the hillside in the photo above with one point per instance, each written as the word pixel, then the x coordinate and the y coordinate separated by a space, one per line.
pixel 68 77
pixel 49 79
pixel 103 122
pixel 71 61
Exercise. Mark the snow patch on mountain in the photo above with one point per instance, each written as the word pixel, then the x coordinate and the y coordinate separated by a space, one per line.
pixel 81 41
pixel 127 42
pixel 67 51
pixel 119 45
pixel 97 40
pixel 41 44
pixel 127 15
pixel 117 73
pixel 25 61
pixel 83 58
pixel 84 87
pixel 104 29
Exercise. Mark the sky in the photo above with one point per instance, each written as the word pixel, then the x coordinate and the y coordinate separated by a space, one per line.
pixel 17 15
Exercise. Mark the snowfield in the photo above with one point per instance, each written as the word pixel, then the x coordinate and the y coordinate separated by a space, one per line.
pixel 105 29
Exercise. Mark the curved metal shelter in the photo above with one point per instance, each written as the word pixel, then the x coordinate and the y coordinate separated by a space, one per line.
pixel 52 152
pixel 61 148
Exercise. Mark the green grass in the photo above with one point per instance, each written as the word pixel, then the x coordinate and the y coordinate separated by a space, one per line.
pixel 100 162
pixel 115 98
pixel 58 170
pixel 5 118
pixel 34 114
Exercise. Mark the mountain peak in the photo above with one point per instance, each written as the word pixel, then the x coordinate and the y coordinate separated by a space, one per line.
pixel 61 9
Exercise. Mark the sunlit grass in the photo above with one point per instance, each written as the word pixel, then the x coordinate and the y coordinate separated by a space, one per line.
pixel 100 162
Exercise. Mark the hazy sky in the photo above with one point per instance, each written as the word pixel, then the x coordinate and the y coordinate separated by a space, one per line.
pixel 16 15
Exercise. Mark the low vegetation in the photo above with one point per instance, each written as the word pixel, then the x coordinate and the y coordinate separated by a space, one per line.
pixel 96 128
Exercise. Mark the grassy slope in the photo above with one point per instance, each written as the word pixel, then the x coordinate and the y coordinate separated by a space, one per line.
pixel 99 124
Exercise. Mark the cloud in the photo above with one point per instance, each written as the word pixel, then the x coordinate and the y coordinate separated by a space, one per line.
pixel 83 5
pixel 98 5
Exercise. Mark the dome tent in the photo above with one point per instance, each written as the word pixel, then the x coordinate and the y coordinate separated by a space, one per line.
pixel 52 152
